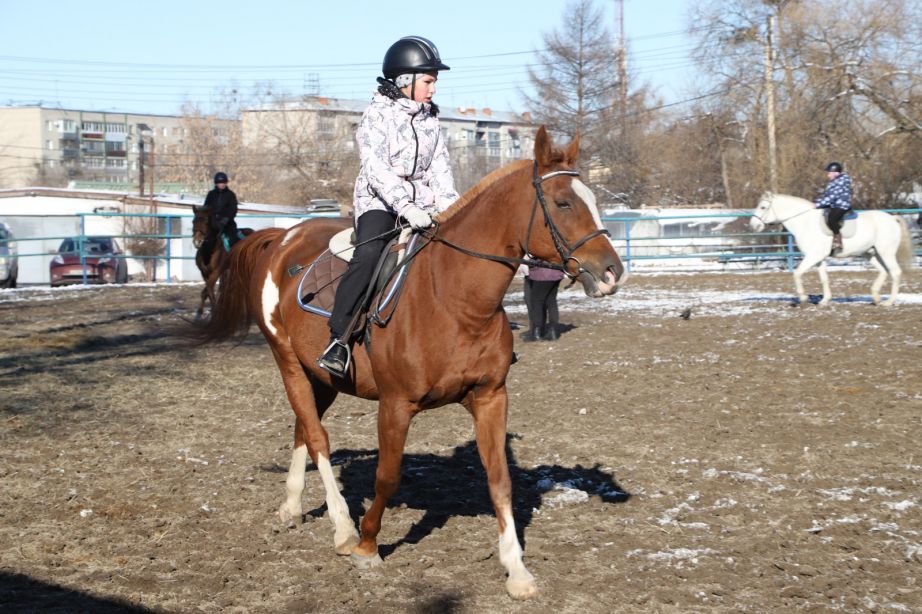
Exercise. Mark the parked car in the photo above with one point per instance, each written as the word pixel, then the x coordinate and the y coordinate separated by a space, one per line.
pixel 9 261
pixel 105 262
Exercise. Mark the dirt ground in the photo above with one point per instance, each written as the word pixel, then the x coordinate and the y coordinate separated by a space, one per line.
pixel 754 457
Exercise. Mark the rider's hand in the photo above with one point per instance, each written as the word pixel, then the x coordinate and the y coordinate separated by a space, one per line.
pixel 417 218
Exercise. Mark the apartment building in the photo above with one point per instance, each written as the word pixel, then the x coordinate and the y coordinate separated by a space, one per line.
pixel 41 145
pixel 497 137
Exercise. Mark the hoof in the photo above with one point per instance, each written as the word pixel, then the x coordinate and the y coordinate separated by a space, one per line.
pixel 887 303
pixel 366 562
pixel 344 548
pixel 521 589
pixel 291 519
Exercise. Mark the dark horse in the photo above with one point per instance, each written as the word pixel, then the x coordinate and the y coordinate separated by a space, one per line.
pixel 448 342
pixel 209 264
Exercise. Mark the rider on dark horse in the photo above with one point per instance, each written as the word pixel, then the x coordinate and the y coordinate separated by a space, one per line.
pixel 837 197
pixel 405 172
pixel 221 203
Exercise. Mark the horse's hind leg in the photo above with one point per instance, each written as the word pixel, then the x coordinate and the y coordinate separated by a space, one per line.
pixel 489 411
pixel 886 265
pixel 309 402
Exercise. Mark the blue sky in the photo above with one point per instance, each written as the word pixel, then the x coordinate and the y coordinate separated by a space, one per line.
pixel 152 56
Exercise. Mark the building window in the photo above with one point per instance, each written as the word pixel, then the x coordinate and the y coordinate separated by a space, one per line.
pixel 49 144
pixel 93 127
pixel 51 163
pixel 493 144
pixel 163 131
pixel 49 125
pixel 116 128
pixel 326 124
pixel 68 125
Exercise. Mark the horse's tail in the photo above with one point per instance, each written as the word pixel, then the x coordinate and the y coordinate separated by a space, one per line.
pixel 904 252
pixel 230 315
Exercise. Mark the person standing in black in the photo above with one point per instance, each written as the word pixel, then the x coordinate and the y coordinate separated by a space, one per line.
pixel 221 203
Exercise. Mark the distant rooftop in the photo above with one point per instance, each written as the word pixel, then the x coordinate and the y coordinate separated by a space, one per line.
pixel 322 103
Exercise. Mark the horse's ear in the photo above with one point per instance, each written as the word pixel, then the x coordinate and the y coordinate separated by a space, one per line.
pixel 542 147
pixel 572 151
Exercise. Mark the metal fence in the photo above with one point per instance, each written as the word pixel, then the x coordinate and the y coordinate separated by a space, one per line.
pixel 703 241
pixel 693 241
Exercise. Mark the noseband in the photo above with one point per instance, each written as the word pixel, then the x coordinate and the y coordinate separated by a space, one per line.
pixel 564 248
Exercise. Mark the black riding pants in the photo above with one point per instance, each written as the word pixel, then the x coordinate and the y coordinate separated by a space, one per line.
pixel 362 266
pixel 541 301
pixel 834 219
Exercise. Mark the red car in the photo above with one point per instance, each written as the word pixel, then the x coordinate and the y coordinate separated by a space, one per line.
pixel 104 258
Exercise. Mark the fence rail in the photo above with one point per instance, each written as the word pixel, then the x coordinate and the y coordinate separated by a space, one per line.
pixel 700 239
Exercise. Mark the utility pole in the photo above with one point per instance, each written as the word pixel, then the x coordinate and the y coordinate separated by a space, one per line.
pixel 622 63
pixel 770 104
pixel 141 167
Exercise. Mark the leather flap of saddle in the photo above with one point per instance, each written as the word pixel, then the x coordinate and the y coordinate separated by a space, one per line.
pixel 319 287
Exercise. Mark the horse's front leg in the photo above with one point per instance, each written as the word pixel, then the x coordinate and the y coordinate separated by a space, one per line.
pixel 489 409
pixel 803 267
pixel 393 425
pixel 824 279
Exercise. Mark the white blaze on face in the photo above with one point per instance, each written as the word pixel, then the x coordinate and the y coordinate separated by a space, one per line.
pixel 270 297
pixel 291 234
pixel 583 191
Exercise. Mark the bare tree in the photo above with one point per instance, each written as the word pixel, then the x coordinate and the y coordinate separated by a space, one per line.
pixel 846 85
pixel 576 75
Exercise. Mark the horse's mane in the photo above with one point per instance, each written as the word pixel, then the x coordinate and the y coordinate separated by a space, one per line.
pixel 788 197
pixel 482 185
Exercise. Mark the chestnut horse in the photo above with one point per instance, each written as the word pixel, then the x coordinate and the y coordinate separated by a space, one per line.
pixel 210 267
pixel 448 342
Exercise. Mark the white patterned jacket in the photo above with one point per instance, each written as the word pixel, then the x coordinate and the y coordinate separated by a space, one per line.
pixel 387 138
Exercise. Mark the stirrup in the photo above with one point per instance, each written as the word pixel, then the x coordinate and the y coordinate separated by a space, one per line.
pixel 331 368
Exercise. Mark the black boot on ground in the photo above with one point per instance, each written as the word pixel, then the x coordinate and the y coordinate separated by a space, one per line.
pixel 335 358
pixel 551 333
pixel 532 334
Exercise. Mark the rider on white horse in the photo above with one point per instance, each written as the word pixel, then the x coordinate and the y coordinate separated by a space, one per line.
pixel 837 197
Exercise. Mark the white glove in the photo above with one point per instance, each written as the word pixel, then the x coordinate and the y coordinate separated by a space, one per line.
pixel 417 218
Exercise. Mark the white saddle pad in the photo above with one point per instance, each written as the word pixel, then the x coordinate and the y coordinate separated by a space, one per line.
pixel 849 227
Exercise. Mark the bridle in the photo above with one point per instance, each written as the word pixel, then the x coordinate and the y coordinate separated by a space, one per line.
pixel 771 207
pixel 564 248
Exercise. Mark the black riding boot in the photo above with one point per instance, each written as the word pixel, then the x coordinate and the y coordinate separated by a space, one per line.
pixel 550 333
pixel 335 359
pixel 534 333
pixel 836 244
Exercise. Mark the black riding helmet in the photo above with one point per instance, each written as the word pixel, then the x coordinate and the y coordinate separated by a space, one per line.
pixel 412 54
pixel 833 167
pixel 220 178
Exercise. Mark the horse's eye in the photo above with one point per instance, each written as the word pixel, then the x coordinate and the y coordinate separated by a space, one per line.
pixel 564 204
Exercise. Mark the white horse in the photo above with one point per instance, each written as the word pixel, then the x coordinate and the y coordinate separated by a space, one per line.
pixel 886 238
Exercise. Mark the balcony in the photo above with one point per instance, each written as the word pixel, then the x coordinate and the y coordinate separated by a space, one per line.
pixel 69 153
